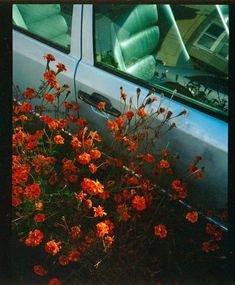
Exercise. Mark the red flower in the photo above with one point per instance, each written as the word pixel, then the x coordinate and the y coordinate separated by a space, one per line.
pixel 76 107
pixel 164 164
pixel 49 57
pixel 149 158
pixel 83 158
pixel 26 107
pixel 63 260
pixel 39 218
pixel 95 154
pixel 49 97
pixel 39 270
pixel 192 216
pixel 74 255
pixel 54 281
pixel 76 232
pixel 129 115
pixel 32 191
pixel 34 238
pixel 139 203
pixel 92 168
pixel 29 93
pixel 81 122
pixel 160 230
pixel 61 67
pixel 67 105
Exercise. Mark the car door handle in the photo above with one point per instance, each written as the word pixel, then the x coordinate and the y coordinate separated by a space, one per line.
pixel 94 99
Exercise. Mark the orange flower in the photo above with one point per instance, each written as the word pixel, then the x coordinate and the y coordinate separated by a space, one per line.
pixel 164 164
pixel 108 240
pixel 91 186
pixel 39 270
pixel 63 260
pixel 192 216
pixel 32 191
pixel 101 105
pixel 59 139
pixel 34 238
pixel 102 229
pixel 141 112
pixel 54 281
pixel 49 97
pixel 88 203
pixel 49 57
pixel 53 247
pixel 129 115
pixel 92 168
pixel 50 76
pixel 112 126
pixel 149 158
pixel 83 158
pixel 81 196
pixel 29 93
pixel 39 218
pixel 95 154
pixel 75 142
pixel 139 203
pixel 61 67
pixel 38 206
pixel 160 230
pixel 46 119
pixel 99 211
pixel 120 121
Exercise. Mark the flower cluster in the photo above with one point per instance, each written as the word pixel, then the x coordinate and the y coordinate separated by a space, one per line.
pixel 76 198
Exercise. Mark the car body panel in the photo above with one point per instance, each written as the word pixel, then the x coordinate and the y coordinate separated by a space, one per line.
pixel 197 133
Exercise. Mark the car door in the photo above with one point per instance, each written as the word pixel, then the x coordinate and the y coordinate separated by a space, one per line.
pixel 200 132
pixel 40 29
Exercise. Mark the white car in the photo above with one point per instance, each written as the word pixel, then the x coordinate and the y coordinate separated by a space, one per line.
pixel 166 47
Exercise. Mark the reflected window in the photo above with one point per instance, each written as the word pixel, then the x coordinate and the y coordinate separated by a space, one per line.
pixel 182 47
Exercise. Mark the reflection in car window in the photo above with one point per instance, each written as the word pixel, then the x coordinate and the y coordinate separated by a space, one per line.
pixel 51 22
pixel 182 47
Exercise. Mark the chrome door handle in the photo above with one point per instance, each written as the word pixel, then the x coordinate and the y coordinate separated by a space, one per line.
pixel 94 99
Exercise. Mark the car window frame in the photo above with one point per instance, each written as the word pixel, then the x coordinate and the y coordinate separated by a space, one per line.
pixel 199 106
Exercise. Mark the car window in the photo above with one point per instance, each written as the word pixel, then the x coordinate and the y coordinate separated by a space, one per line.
pixel 51 23
pixel 182 47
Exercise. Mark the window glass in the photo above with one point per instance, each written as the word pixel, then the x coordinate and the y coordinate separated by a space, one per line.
pixel 182 47
pixel 50 22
